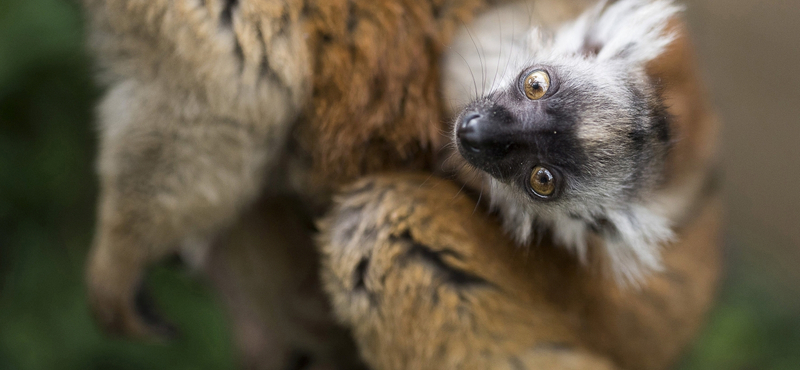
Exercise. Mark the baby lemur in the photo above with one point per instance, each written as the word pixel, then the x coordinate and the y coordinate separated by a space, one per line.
pixel 571 136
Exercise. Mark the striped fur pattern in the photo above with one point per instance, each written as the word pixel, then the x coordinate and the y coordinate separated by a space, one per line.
pixel 213 104
pixel 427 279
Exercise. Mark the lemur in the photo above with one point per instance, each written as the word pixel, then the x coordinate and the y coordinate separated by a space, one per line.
pixel 219 112
pixel 594 117
pixel 570 134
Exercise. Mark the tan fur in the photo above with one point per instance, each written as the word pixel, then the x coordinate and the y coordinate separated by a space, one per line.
pixel 426 283
pixel 213 103
pixel 428 280
pixel 207 111
pixel 188 130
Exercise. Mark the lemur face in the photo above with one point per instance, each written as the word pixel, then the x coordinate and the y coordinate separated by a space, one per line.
pixel 572 135
pixel 569 137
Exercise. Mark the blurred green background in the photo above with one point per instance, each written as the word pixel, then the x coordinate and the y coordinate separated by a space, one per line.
pixel 48 189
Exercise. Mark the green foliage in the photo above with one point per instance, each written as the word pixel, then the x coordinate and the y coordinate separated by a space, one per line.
pixel 47 194
pixel 756 324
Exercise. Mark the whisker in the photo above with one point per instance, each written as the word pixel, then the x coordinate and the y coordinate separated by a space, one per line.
pixel 480 196
pixel 480 58
pixel 459 191
pixel 446 161
pixel 471 72
pixel 425 182
pixel 513 43
pixel 500 56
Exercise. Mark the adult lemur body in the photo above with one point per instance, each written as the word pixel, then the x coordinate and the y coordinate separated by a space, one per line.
pixel 214 104
pixel 229 123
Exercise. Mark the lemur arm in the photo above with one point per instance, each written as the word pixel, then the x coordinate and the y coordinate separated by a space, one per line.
pixel 427 280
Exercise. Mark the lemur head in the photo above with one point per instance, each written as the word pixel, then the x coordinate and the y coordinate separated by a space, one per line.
pixel 573 138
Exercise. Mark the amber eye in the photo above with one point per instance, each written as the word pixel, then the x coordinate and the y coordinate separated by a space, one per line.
pixel 542 182
pixel 536 84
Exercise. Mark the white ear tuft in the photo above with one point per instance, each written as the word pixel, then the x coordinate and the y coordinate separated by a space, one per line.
pixel 632 30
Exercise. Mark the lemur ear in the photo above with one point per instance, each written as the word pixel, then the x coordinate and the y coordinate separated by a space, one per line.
pixel 632 30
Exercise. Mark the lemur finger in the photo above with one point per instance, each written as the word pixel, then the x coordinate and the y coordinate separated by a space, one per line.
pixel 117 298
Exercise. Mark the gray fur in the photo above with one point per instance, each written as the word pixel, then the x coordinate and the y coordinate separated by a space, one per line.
pixel 620 123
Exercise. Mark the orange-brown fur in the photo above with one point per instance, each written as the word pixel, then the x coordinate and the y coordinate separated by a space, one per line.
pixel 297 97
pixel 427 282
pixel 214 104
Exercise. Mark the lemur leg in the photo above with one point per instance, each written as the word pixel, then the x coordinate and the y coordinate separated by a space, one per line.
pixel 266 271
pixel 163 180
pixel 427 282
pixel 202 96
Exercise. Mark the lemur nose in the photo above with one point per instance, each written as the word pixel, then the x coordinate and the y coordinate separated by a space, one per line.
pixel 491 138
pixel 469 132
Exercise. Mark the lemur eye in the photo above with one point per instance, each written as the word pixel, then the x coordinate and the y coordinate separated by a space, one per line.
pixel 536 84
pixel 543 182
